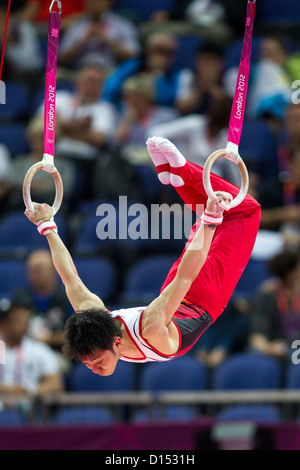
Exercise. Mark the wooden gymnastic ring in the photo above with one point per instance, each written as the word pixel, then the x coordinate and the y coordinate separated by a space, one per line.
pixel 27 186
pixel 244 177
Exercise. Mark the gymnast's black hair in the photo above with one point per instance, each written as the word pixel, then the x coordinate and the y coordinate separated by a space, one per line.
pixel 87 331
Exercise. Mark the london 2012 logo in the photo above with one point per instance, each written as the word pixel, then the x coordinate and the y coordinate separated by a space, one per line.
pixel 54 33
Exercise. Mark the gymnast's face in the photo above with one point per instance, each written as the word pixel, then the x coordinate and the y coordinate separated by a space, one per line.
pixel 103 362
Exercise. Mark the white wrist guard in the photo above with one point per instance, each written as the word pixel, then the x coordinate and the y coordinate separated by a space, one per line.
pixel 209 218
pixel 45 227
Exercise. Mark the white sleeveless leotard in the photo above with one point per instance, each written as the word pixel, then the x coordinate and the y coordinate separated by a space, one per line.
pixel 191 322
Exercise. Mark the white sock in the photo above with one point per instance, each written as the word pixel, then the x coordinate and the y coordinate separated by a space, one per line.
pixel 173 155
pixel 159 159
pixel 166 156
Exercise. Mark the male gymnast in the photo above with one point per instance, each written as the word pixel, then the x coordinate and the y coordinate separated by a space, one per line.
pixel 195 292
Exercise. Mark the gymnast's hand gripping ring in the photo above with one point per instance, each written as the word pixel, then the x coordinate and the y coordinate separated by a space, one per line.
pixel 46 165
pixel 243 171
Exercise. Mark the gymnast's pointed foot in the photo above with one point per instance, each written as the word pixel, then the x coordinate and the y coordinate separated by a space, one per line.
pixel 169 162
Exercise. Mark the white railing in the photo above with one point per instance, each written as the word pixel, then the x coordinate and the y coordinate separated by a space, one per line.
pixel 288 400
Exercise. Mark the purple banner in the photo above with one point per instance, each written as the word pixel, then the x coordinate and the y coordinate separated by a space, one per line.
pixel 184 436
pixel 50 85
pixel 239 102
pixel 154 436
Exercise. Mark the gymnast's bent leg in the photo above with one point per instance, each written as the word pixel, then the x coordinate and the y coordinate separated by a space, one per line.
pixel 234 238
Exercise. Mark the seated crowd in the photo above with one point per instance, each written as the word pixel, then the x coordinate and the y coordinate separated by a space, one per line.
pixel 119 81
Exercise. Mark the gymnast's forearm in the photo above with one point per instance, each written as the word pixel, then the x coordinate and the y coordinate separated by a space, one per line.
pixel 196 253
pixel 188 269
pixel 61 258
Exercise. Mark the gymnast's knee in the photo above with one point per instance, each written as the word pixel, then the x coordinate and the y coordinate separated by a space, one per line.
pixel 254 206
pixel 248 208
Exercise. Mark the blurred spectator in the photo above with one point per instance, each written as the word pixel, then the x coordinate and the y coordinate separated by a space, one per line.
pixel 22 51
pixel 157 60
pixel 280 202
pixel 100 32
pixel 269 85
pixel 219 341
pixel 5 171
pixel 271 88
pixel 207 83
pixel 42 188
pixel 279 195
pixel 198 136
pixel 139 116
pixel 87 122
pixel 290 137
pixel 37 11
pixel 203 18
pixel 116 171
pixel 160 16
pixel 30 366
pixel 274 320
pixel 46 298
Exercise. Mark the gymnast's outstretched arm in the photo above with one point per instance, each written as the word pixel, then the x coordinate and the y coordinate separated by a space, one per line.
pixel 78 294
pixel 159 313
